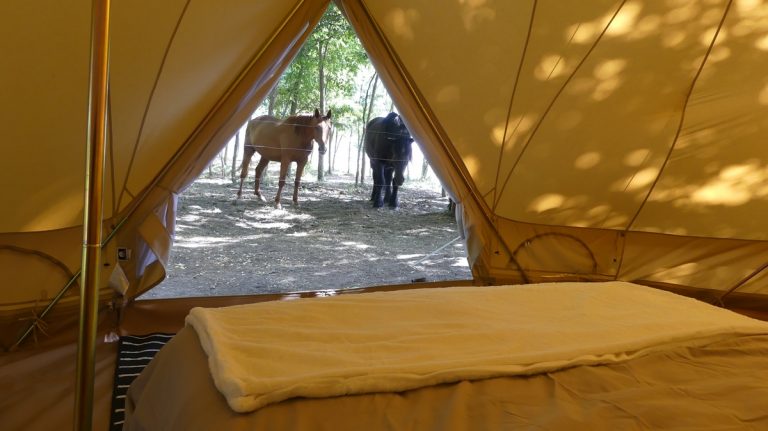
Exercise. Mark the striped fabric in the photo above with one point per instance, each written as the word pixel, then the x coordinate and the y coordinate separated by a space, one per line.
pixel 134 353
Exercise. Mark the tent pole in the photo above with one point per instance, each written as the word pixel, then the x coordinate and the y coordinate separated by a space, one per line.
pixel 93 214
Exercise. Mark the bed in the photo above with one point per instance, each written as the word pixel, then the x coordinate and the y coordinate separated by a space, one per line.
pixel 567 356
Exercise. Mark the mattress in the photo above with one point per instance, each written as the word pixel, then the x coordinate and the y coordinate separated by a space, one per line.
pixel 713 383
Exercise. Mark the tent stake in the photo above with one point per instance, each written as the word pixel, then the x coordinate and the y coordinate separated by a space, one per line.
pixel 93 214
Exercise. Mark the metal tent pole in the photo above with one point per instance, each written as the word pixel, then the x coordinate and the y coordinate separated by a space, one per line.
pixel 93 214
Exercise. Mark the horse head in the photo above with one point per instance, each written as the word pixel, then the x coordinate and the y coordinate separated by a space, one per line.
pixel 322 129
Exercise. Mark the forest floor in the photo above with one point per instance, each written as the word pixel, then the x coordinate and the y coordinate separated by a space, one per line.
pixel 333 240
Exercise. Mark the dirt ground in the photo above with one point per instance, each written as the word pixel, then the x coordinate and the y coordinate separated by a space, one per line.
pixel 332 240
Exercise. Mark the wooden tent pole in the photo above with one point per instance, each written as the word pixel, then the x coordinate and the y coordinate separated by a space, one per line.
pixel 93 214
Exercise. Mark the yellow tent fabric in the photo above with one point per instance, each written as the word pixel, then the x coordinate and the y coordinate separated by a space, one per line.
pixel 583 140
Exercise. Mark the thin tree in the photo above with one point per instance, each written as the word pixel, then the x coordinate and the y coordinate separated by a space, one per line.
pixel 234 156
pixel 349 151
pixel 322 51
pixel 223 160
pixel 271 101
pixel 370 95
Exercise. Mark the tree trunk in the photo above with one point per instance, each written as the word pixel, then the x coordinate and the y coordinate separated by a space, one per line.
pixel 224 157
pixel 424 169
pixel 332 149
pixel 321 51
pixel 234 157
pixel 349 152
pixel 271 99
pixel 365 121
pixel 359 160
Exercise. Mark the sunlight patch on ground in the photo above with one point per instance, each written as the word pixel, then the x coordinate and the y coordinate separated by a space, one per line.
pixel 460 262
pixel 409 256
pixel 214 181
pixel 203 241
pixel 190 218
pixel 298 234
pixel 257 236
pixel 198 209
pixel 417 231
pixel 356 245
pixel 259 225
pixel 274 213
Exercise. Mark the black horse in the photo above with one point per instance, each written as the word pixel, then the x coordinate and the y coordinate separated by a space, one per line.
pixel 388 145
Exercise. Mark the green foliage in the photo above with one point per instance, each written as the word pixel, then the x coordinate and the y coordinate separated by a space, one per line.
pixel 334 46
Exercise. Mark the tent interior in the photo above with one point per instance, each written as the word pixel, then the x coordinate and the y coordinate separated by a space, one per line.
pixel 598 141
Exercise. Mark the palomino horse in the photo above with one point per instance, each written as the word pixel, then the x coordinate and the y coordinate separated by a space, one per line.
pixel 284 141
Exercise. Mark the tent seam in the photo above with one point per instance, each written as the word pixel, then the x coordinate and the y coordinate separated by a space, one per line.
pixel 552 102
pixel 682 117
pixel 512 99
pixel 149 100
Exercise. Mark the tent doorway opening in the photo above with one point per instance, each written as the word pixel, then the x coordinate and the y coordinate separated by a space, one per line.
pixel 334 239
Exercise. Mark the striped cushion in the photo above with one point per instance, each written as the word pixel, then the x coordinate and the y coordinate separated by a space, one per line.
pixel 133 354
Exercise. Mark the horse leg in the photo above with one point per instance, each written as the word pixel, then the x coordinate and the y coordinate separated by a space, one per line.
pixel 378 182
pixel 297 182
pixel 398 181
pixel 373 189
pixel 388 172
pixel 284 164
pixel 263 162
pixel 248 152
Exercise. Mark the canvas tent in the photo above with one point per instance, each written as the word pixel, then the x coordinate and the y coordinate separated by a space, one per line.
pixel 582 140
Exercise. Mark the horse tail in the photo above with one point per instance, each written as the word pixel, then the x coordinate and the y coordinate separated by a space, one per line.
pixel 248 152
pixel 250 131
pixel 249 147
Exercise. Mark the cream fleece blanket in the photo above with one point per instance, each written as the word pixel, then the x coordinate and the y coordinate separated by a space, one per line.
pixel 394 341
